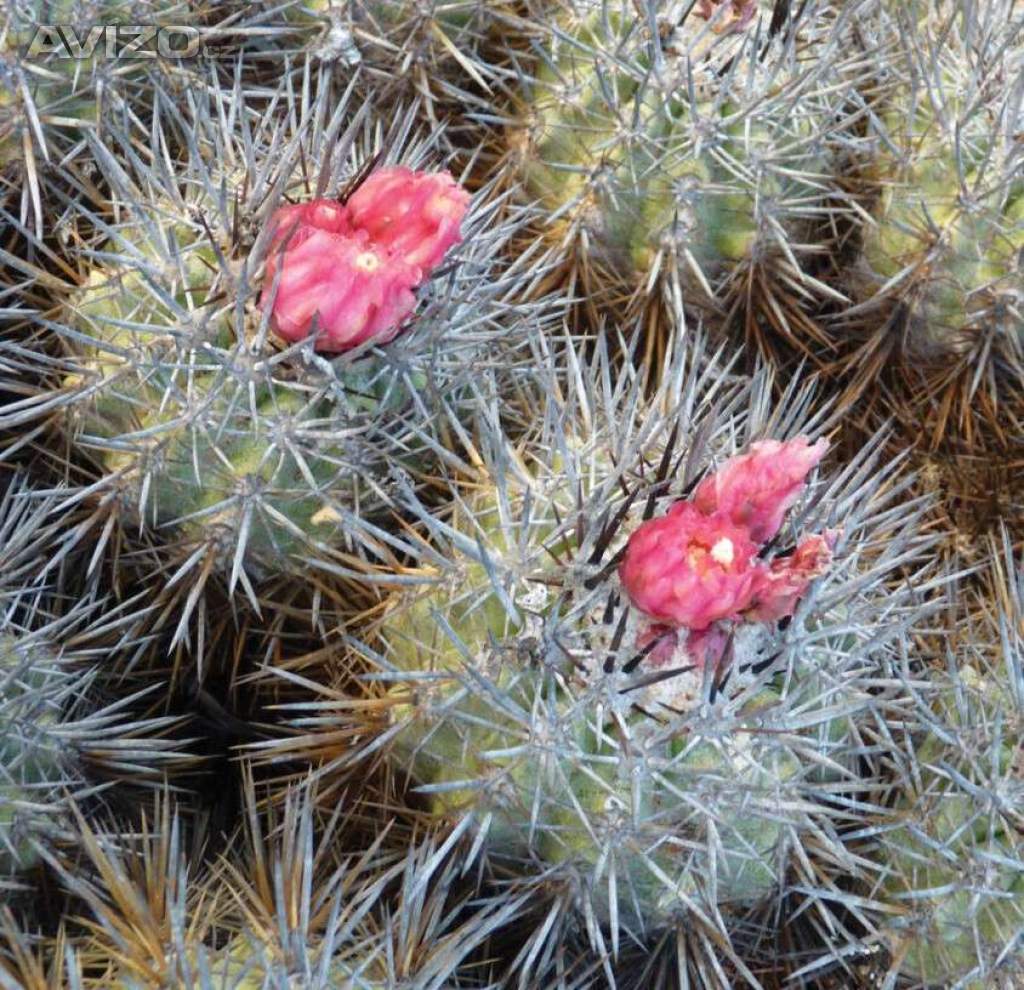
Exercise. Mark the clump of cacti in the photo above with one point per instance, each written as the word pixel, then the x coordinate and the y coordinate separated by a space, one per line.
pixel 63 732
pixel 57 85
pixel 512 495
pixel 682 149
pixel 951 868
pixel 436 48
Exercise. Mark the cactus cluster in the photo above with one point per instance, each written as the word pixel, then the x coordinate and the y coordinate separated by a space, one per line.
pixel 483 494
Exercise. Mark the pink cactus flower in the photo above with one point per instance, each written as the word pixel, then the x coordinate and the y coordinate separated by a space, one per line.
pixel 300 219
pixel 697 567
pixel 756 490
pixel 778 588
pixel 356 289
pixel 354 266
pixel 688 569
pixel 415 215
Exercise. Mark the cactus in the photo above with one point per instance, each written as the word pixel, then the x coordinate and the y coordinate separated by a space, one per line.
pixel 952 858
pixel 260 456
pixel 282 906
pixel 682 156
pixel 950 872
pixel 943 244
pixel 31 694
pixel 395 596
pixel 432 51
pixel 70 727
pixel 49 101
pixel 437 48
pixel 63 734
pixel 36 112
pixel 543 720
pixel 57 730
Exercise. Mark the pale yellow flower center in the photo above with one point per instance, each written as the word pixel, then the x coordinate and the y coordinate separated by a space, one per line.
pixel 368 261
pixel 723 552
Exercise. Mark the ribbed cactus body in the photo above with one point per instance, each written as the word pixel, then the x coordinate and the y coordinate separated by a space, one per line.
pixel 661 163
pixel 202 420
pixel 31 762
pixel 954 876
pixel 954 863
pixel 502 732
pixel 949 228
pixel 58 105
pixel 201 435
pixel 638 194
pixel 206 448
pixel 944 243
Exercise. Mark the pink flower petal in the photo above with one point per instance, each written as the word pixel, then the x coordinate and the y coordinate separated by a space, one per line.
pixel 741 14
pixel 778 589
pixel 359 292
pixel 353 267
pixel 415 215
pixel 756 489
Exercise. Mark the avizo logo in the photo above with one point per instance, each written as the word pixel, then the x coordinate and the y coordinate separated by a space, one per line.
pixel 116 41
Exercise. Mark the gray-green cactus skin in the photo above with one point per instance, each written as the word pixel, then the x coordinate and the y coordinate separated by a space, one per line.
pixel 232 445
pixel 32 764
pixel 205 424
pixel 59 82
